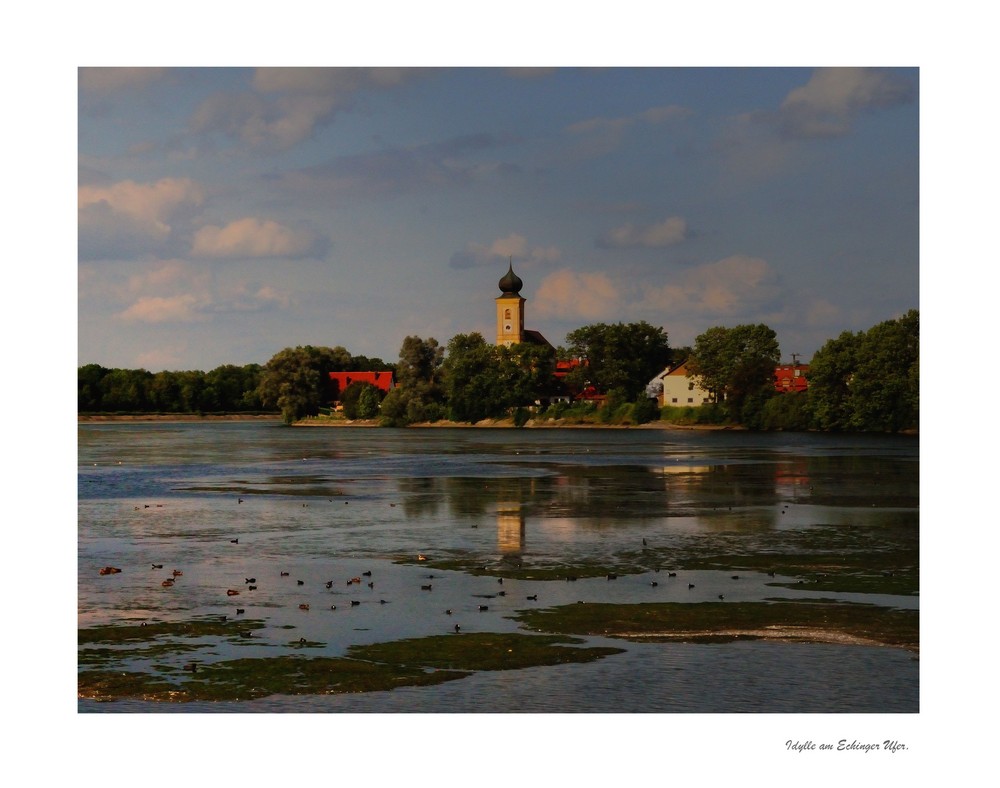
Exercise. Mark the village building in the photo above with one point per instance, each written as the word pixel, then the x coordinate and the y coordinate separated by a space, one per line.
pixel 339 381
pixel 676 386
pixel 510 313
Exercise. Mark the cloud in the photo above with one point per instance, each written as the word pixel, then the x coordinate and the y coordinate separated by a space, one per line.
pixel 109 80
pixel 670 231
pixel 828 104
pixel 184 308
pixel 288 105
pixel 601 135
pixel 497 253
pixel 128 218
pixel 732 286
pixel 395 171
pixel 571 295
pixel 253 237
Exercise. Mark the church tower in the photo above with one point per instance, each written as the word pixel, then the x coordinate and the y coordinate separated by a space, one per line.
pixel 510 309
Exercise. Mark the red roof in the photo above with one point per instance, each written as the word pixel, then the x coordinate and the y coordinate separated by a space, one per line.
pixel 381 380
pixel 791 377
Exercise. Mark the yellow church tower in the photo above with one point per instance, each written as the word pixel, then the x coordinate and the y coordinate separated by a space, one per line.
pixel 510 309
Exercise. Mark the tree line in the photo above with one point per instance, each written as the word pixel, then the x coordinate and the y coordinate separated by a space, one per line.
pixel 864 381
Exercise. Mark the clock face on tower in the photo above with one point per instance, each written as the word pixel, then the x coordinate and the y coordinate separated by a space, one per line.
pixel 507 328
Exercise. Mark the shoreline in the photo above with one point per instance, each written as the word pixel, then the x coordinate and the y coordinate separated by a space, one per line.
pixel 178 417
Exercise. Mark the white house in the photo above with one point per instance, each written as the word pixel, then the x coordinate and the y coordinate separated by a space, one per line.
pixel 675 386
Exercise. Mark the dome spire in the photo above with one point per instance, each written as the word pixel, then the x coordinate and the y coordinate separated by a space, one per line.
pixel 511 283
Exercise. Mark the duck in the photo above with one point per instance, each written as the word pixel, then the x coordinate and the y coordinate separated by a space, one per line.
pixel 366 574
pixel 426 587
pixel 483 607
pixel 690 585
pixel 654 584
pixel 232 592
pixel 533 598
pixel 252 588
pixel 240 611
pixel 448 611
pixel 177 573
pixel 157 566
pixel 354 602
pixel 303 606
pixel 421 557
pixel 722 596
pixel 167 583
pixel 234 541
pixel 110 570
pixel 458 628
pixel 333 607
pixel 284 574
pixel 300 582
pixel 329 584
pixel 249 579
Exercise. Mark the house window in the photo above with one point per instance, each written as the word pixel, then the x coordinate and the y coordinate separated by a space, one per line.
pixel 674 399
pixel 690 399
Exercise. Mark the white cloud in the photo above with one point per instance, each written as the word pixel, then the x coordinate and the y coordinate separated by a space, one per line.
pixel 108 80
pixel 670 231
pixel 184 308
pixel 731 286
pixel 571 295
pixel 601 135
pixel 290 104
pixel 500 250
pixel 827 105
pixel 252 237
pixel 127 217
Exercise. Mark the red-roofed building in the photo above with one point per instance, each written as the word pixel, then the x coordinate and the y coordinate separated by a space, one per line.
pixel 791 377
pixel 341 380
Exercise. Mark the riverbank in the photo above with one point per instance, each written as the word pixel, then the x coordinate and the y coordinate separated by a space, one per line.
pixel 85 417
pixel 509 423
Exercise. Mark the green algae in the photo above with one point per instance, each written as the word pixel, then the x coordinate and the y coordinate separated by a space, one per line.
pixel 727 621
pixel 147 631
pixel 381 666
pixel 481 651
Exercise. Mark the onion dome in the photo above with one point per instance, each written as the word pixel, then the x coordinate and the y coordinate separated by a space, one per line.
pixel 511 283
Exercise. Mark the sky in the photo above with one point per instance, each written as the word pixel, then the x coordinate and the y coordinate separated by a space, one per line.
pixel 227 213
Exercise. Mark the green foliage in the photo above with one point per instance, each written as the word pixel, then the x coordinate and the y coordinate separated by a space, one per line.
pixel 297 380
pixel 623 356
pixel 785 411
pixel 484 381
pixel 868 381
pixel 737 366
pixel 361 400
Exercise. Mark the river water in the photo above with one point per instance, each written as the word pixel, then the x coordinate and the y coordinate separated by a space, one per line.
pixel 227 501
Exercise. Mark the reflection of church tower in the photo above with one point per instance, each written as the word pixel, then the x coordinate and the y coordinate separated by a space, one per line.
pixel 510 309
pixel 510 528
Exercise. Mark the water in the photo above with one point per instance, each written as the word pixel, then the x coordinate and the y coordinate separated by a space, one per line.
pixel 327 505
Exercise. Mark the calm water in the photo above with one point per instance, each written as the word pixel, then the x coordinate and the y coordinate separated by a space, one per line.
pixel 329 504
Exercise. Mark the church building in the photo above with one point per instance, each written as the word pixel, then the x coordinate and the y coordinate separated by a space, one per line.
pixel 510 313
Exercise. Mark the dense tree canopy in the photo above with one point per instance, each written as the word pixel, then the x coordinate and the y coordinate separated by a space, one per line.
pixel 870 380
pixel 736 365
pixel 621 356
pixel 484 381
pixel 418 395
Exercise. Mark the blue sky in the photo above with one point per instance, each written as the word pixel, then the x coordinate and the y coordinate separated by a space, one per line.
pixel 227 213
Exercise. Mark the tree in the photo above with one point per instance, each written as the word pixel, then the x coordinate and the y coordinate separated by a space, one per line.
pixel 869 381
pixel 418 395
pixel 736 365
pixel 622 356
pixel 297 380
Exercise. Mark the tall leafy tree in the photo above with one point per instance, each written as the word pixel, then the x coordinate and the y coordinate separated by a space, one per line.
pixel 418 395
pixel 736 365
pixel 869 381
pixel 297 381
pixel 620 356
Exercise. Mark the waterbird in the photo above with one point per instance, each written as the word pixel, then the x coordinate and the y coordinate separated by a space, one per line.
pixel 612 576
pixel 232 592
pixel 329 584
pixel 483 607
pixel 333 607
pixel 252 588
pixel 354 602
pixel 426 587
pixel 421 557
pixel 382 602
pixel 157 566
pixel 457 628
pixel 654 583
pixel 177 573
pixel 301 582
pixel 249 579
pixel 500 580
pixel 366 574
pixel 722 596
pixel 371 585
pixel 234 541
pixel 239 500
pixel 303 606
pixel 736 577
pixel 690 585
pixel 167 583
pixel 284 574
pixel 671 574
pixel 240 611
pixel 533 597
pixel 644 542
pixel 502 593
pixel 448 611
